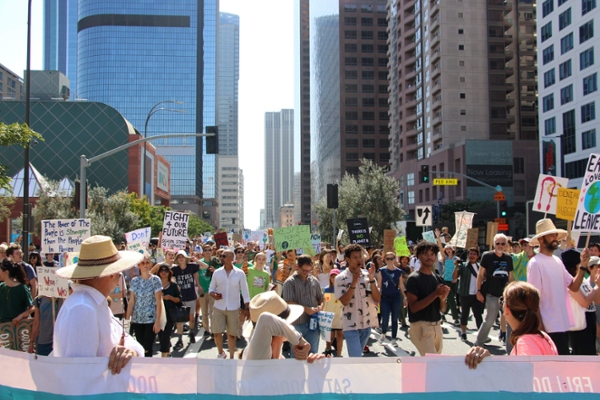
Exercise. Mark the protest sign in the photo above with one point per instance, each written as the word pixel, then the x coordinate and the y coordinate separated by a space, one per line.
pixel 293 237
pixel 358 231
pixel 587 216
pixel 174 231
pixel 246 235
pixel 50 284
pixel 315 240
pixel 221 240
pixel 139 235
pixel 137 246
pixel 325 321
pixel 256 236
pixel 492 230
pixel 566 203
pixel 429 236
pixel 388 240
pixel 546 193
pixel 340 233
pixel 16 337
pixel 472 238
pixel 401 247
pixel 464 220
pixel 236 238
pixel 60 235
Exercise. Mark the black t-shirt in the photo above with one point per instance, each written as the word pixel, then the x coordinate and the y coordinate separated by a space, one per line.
pixel 185 280
pixel 497 270
pixel 171 290
pixel 422 285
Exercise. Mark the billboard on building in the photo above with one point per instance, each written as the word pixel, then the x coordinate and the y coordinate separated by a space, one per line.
pixel 162 181
pixel 490 162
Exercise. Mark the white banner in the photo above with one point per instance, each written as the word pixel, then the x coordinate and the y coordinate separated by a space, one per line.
pixel 546 193
pixel 64 235
pixel 50 284
pixel 174 230
pixel 464 222
pixel 139 235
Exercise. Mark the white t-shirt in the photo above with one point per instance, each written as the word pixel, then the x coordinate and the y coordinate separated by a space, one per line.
pixel 415 264
pixel 550 277
pixel 473 281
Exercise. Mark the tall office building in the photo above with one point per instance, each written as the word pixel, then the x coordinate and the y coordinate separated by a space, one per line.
pixel 348 89
pixel 60 39
pixel 462 90
pixel 279 163
pixel 302 198
pixel 133 55
pixel 11 85
pixel 568 86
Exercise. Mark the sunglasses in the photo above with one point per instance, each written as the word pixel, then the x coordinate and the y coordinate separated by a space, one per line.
pixel 500 243
pixel 389 259
pixel 306 271
pixel 163 270
pixel 223 256
pixel 239 252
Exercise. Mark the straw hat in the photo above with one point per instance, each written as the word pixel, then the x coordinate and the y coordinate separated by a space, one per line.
pixel 98 258
pixel 546 227
pixel 272 303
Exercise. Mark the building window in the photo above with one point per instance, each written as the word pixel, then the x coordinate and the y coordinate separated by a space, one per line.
pixel 549 78
pixel 368 129
pixel 351 156
pixel 366 35
pixel 369 88
pixel 587 6
pixel 350 35
pixel 461 46
pixel 366 21
pixel 411 197
pixel 368 116
pixel 547 7
pixel 349 20
pixel 569 132
pixel 367 62
pixel 351 74
pixel 550 126
pixel 351 88
pixel 575 169
pixel 351 142
pixel 463 95
pixel 382 35
pixel 352 129
pixel 564 19
pixel 463 112
pixel 590 84
pixel 368 75
pixel 461 31
pixel 350 47
pixel 548 102
pixel 564 70
pixel 352 115
pixel 586 58
pixel 368 102
pixel 368 143
pixel 566 43
pixel 566 94
pixel 367 48
pixel 519 167
pixel 588 139
pixel 548 54
pixel 586 31
pixel 350 61
pixel 351 101
pixel 461 63
pixel 410 179
pixel 588 112
pixel 547 31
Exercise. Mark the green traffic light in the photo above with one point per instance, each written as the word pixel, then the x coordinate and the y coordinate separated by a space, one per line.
pixel 503 213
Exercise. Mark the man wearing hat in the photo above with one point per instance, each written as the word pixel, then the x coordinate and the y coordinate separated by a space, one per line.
pixel 85 326
pixel 548 274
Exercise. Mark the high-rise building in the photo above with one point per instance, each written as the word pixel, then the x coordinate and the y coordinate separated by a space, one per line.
pixel 11 85
pixel 230 196
pixel 302 198
pixel 263 221
pixel 348 89
pixel 568 86
pixel 60 39
pixel 134 55
pixel 462 87
pixel 279 163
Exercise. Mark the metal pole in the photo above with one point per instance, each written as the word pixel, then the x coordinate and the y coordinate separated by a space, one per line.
pixel 497 209
pixel 26 206
pixel 83 163
pixel 334 228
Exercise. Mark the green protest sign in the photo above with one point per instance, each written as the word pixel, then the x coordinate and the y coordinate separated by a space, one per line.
pixel 294 237
pixel 401 247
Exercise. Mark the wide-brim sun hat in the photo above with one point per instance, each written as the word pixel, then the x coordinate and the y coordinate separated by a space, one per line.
pixel 546 227
pixel 98 258
pixel 273 303
pixel 182 253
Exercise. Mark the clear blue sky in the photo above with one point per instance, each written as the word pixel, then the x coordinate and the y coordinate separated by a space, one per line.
pixel 266 73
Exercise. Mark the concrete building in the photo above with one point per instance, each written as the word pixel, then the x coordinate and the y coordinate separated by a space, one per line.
pixel 568 86
pixel 279 163
pixel 230 196
pixel 11 85
pixel 286 215
pixel 462 86
pixel 263 221
pixel 348 89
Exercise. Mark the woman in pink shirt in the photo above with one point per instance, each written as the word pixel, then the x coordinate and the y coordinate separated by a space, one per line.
pixel 521 304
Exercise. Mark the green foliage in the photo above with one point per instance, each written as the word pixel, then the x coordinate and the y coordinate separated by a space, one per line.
pixel 14 134
pixel 372 195
pixel 6 202
pixel 197 226
pixel 149 215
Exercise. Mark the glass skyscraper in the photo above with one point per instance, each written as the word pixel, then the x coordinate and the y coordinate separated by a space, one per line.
pixel 228 76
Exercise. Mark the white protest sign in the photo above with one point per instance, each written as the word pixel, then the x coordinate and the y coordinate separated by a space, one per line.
pixel 60 235
pixel 174 231
pixel 464 222
pixel 315 240
pixel 429 236
pixel 137 246
pixel 587 217
pixel 256 236
pixel 340 233
pixel 139 235
pixel 546 193
pixel 325 322
pixel 51 285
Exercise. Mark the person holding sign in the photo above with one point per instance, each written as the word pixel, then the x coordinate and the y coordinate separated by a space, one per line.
pixel 85 326
pixel 15 298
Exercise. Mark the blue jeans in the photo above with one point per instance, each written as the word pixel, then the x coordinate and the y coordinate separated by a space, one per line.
pixel 356 340
pixel 44 349
pixel 390 305
pixel 311 337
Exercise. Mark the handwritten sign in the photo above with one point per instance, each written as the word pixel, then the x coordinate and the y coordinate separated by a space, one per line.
pixel 221 239
pixel 429 236
pixel 358 231
pixel 137 246
pixel 293 237
pixel 60 235
pixel 174 231
pixel 587 216
pixel 388 240
pixel 472 238
pixel 50 284
pixel 401 247
pixel 16 337
pixel 546 193
pixel 464 221
pixel 340 233
pixel 315 240
pixel 325 322
pixel 139 235
pixel 566 203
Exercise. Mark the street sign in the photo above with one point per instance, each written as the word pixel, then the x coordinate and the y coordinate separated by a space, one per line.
pixel 445 182
pixel 499 196
pixel 424 216
pixel 502 227
pixel 500 220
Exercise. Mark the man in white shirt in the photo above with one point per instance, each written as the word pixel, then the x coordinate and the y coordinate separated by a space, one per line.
pixel 225 288
pixel 85 326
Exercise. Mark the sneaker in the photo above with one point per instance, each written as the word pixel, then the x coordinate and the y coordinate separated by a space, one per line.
pixel 381 339
pixel 186 328
pixel 206 334
pixel 366 349
pixel 456 322
pixel 463 336
pixel 395 342
pixel 502 336
pixel 192 337
pixel 178 345
pixel 222 356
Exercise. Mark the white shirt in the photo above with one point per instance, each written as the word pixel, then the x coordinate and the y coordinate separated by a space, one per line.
pixel 415 264
pixel 473 281
pixel 549 276
pixel 230 287
pixel 86 327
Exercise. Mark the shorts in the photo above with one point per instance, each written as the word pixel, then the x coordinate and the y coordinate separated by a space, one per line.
pixel 225 321
pixel 191 304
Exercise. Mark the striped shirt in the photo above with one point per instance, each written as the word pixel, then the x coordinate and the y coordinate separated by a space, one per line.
pixel 307 294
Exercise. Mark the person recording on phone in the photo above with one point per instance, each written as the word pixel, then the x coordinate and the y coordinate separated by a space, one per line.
pixel 225 288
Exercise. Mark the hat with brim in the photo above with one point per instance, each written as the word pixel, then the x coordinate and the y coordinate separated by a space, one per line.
pixel 98 258
pixel 182 253
pixel 546 227
pixel 273 303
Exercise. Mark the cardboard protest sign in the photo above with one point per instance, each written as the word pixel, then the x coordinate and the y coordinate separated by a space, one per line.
pixel 174 231
pixel 388 240
pixel 16 337
pixel 472 238
pixel 315 240
pixel 50 284
pixel 137 246
pixel 492 230
pixel 546 193
pixel 587 216
pixel 60 235
pixel 236 237
pixel 429 236
pixel 340 233
pixel 139 235
pixel 401 247
pixel 566 203
pixel 464 221
pixel 358 231
pixel 221 239
pixel 293 237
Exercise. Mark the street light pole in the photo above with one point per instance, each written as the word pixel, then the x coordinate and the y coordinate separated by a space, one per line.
pixel 26 205
pixel 152 111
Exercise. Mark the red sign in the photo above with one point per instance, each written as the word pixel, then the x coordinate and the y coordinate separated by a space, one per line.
pixel 499 196
pixel 502 227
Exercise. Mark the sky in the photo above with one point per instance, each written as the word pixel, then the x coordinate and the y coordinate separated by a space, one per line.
pixel 266 74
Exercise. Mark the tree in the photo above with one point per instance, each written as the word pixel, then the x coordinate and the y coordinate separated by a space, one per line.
pixel 372 195
pixel 6 203
pixel 14 134
pixel 197 226
pixel 149 215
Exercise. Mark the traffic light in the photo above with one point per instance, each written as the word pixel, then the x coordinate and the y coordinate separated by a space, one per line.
pixel 332 196
pixel 503 209
pixel 424 173
pixel 212 142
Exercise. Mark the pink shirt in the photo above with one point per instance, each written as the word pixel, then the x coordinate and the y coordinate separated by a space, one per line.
pixel 534 345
